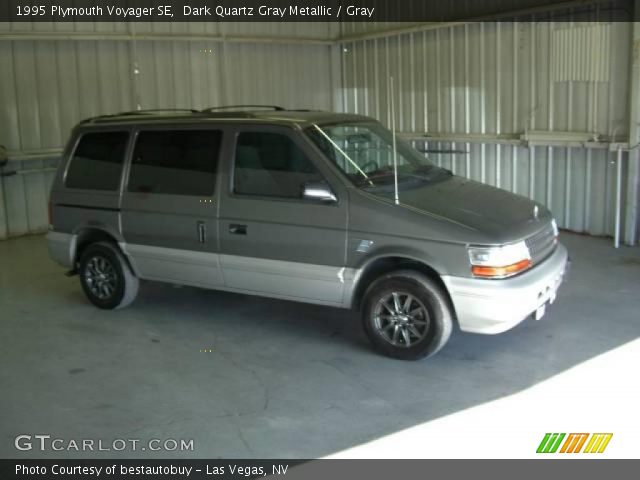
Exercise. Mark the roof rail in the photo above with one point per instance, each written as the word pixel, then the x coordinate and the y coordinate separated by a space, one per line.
pixel 226 107
pixel 139 112
pixel 157 110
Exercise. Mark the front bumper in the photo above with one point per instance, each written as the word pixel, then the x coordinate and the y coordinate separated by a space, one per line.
pixel 494 306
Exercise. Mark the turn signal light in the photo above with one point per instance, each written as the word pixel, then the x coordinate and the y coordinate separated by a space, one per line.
pixel 498 272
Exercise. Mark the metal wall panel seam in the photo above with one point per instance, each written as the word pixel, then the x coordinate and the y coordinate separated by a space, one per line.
pixel 425 91
pixel 412 79
pixel 483 110
pixel 399 81
pixel 353 52
pixel 376 66
pixel 568 161
pixel 514 113
pixel 587 194
pixel 498 107
pixel 425 97
pixel 134 69
pixel 467 108
pixel 438 95
pixel 452 96
pixel 365 85
pixel 550 114
pixel 611 55
pixel 343 72
pixel 387 65
pixel 616 241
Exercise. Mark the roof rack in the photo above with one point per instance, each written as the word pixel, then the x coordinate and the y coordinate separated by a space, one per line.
pixel 231 111
pixel 140 112
pixel 226 107
pixel 157 110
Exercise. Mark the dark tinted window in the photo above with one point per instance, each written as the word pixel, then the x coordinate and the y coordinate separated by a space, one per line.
pixel 271 164
pixel 97 161
pixel 175 162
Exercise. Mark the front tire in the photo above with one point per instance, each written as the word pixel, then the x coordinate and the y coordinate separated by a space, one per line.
pixel 406 315
pixel 106 278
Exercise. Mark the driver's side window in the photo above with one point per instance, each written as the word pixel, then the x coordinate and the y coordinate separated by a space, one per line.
pixel 271 164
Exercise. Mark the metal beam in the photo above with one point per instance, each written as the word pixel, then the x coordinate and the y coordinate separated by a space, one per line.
pixel 42 153
pixel 77 36
pixel 552 140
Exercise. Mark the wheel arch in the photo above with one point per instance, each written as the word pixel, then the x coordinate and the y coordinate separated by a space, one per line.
pixel 88 235
pixel 383 265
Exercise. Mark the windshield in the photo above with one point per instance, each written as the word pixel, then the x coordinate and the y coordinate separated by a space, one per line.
pixel 364 152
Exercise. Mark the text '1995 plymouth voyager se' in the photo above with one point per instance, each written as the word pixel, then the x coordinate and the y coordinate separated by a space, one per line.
pixel 308 206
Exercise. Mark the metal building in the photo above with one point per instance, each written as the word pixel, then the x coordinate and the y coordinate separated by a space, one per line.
pixel 540 104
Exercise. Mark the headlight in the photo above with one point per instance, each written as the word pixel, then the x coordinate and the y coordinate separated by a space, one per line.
pixel 499 262
pixel 554 225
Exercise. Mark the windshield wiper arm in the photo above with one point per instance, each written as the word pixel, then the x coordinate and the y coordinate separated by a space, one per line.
pixel 380 173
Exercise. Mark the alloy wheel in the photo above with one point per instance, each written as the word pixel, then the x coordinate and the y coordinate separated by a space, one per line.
pixel 401 319
pixel 101 278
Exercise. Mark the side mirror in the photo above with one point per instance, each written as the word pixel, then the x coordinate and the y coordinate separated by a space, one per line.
pixel 3 156
pixel 318 191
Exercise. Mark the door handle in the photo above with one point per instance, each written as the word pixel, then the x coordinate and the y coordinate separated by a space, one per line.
pixel 202 231
pixel 238 229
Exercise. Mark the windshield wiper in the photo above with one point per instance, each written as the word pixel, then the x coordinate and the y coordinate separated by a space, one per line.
pixel 375 174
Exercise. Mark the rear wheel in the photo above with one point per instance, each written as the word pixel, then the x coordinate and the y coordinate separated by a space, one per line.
pixel 406 315
pixel 106 278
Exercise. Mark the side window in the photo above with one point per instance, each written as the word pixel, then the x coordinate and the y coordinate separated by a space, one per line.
pixel 271 164
pixel 97 161
pixel 175 162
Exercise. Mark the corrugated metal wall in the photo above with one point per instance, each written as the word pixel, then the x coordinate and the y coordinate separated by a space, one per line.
pixel 477 88
pixel 48 84
pixel 474 88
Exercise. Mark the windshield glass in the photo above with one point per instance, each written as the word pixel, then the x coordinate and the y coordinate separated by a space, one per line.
pixel 364 152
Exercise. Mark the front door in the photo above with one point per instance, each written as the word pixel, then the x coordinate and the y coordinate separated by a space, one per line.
pixel 272 240
pixel 169 207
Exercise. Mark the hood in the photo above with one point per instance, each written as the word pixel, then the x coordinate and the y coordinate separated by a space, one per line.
pixel 499 215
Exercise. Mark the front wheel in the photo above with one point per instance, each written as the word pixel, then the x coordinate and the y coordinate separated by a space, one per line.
pixel 106 278
pixel 406 315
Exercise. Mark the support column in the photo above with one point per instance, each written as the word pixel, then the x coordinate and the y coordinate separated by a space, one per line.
pixel 631 213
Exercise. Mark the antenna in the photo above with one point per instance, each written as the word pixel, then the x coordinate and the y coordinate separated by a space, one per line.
pixel 393 136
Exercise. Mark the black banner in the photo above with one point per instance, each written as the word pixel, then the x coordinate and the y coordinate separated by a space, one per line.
pixel 316 469
pixel 310 10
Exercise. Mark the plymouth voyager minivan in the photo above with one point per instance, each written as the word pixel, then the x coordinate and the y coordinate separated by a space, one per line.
pixel 300 205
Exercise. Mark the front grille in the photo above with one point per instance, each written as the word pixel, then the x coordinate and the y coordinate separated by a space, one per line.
pixel 541 244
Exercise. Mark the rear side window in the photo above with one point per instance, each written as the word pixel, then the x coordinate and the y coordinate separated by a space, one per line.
pixel 272 165
pixel 175 162
pixel 97 161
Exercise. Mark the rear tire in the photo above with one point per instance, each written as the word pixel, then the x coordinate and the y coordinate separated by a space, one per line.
pixel 406 315
pixel 106 278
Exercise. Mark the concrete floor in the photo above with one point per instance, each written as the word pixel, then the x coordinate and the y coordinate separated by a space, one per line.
pixel 283 379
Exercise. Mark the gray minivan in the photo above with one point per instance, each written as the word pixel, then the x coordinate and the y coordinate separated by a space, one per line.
pixel 308 206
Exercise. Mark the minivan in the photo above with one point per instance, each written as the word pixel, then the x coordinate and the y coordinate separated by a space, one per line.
pixel 307 206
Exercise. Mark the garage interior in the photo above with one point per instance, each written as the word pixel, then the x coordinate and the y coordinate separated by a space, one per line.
pixel 543 103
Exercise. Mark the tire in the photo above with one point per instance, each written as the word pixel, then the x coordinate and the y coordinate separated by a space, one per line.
pixel 427 321
pixel 106 278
